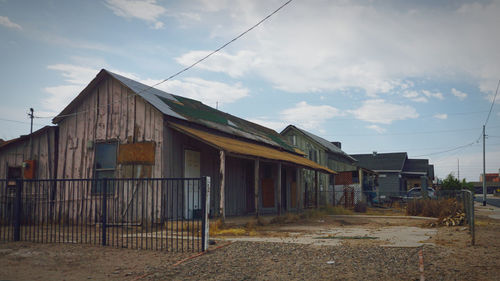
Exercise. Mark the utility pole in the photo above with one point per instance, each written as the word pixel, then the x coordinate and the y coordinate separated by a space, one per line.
pixel 484 166
pixel 31 116
pixel 458 168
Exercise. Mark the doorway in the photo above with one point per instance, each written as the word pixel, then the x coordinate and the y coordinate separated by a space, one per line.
pixel 191 187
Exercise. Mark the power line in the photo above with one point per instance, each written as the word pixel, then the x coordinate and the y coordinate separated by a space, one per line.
pixel 408 133
pixel 21 122
pixel 492 103
pixel 192 65
pixel 448 150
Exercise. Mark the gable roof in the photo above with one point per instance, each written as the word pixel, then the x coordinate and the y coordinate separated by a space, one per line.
pixel 382 161
pixel 189 110
pixel 26 137
pixel 420 166
pixel 330 147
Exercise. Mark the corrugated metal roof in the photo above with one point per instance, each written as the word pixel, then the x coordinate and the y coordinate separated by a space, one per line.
pixel 328 145
pixel 197 112
pixel 27 137
pixel 382 161
pixel 185 109
pixel 249 149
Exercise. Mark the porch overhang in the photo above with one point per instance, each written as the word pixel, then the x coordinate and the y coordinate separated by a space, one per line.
pixel 238 147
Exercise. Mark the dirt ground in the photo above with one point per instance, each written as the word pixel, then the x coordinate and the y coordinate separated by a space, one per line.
pixel 447 255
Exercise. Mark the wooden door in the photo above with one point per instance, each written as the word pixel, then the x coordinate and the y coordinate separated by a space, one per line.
pixel 267 193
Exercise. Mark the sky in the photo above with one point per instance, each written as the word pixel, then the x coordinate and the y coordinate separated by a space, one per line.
pixel 385 76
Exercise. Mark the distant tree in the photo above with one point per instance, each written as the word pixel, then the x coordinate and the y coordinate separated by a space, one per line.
pixel 452 183
pixel 467 185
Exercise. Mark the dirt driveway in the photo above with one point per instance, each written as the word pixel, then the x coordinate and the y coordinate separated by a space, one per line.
pixel 446 252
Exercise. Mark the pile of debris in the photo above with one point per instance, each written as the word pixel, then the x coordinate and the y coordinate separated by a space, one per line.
pixel 453 220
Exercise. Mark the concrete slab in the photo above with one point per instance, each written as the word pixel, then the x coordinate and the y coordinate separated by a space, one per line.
pixel 396 236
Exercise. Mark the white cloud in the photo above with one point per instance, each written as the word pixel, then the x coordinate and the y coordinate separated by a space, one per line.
pixel 382 112
pixel 5 21
pixel 376 128
pixel 422 95
pixel 208 92
pixel 273 124
pixel 308 116
pixel 234 65
pixel 442 116
pixel 59 98
pixel 339 45
pixel 75 74
pixel 430 94
pixel 459 94
pixel 77 77
pixel 146 10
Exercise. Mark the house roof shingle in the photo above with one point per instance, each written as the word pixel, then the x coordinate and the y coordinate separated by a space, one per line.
pixel 416 166
pixel 382 161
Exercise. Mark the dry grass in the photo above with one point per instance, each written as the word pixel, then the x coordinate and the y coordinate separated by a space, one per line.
pixel 325 211
pixel 434 208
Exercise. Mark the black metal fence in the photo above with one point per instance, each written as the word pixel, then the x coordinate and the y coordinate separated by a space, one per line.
pixel 159 214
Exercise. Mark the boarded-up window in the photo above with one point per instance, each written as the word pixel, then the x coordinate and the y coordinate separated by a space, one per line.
pixel 137 153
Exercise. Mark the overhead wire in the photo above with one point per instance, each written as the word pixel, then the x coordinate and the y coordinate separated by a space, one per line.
pixel 193 64
pixel 21 122
pixel 492 104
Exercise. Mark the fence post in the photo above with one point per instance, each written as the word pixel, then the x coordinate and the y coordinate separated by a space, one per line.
pixel 18 210
pixel 104 191
pixel 205 199
pixel 469 210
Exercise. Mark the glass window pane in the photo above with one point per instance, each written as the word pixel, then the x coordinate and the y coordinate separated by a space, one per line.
pixel 105 155
pixel 97 187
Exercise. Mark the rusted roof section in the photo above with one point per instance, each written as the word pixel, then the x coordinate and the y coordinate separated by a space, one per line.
pixel 238 147
pixel 190 110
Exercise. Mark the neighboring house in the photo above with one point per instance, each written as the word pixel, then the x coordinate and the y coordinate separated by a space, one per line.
pixel 389 167
pixel 414 172
pixel 331 155
pixel 396 173
pixel 119 128
pixel 30 156
pixel 491 187
pixel 491 177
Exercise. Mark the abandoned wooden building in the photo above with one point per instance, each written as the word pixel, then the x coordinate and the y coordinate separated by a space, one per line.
pixel 119 128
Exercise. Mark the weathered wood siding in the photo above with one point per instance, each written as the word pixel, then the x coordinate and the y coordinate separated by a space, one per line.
pixel 111 112
pixel 44 146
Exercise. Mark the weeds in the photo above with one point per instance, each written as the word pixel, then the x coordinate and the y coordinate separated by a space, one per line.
pixel 434 208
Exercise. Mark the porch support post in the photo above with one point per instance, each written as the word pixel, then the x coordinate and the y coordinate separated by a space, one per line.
pixel 256 186
pixel 222 174
pixel 316 183
pixel 299 188
pixel 279 189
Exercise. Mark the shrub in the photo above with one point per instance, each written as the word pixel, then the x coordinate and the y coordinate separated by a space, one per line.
pixel 433 208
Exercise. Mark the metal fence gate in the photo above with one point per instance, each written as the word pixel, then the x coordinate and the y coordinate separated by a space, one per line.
pixel 161 214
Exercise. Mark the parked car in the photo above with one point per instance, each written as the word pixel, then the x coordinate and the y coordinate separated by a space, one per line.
pixel 416 193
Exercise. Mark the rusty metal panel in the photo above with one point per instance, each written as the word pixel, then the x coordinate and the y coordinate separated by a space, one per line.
pixel 29 169
pixel 137 153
